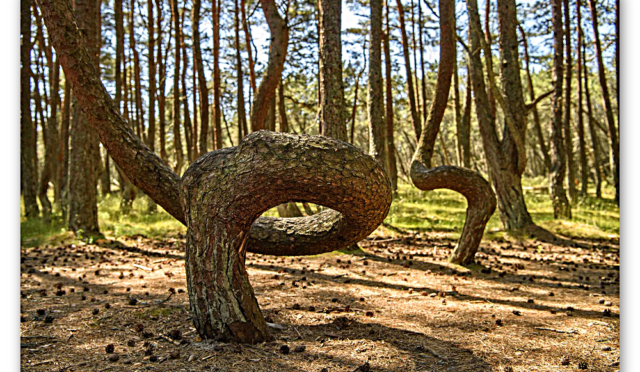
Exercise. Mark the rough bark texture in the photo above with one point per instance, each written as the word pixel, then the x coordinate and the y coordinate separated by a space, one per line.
pixel 177 137
pixel 488 56
pixel 277 54
pixel 480 197
pixel 376 113
pixel 63 151
pixel 162 83
pixel 83 207
pixel 151 133
pixel 561 206
pixel 266 169
pixel 332 108
pixel 481 203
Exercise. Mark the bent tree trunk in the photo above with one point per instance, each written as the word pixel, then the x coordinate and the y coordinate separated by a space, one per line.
pixel 238 184
pixel 278 167
pixel 480 197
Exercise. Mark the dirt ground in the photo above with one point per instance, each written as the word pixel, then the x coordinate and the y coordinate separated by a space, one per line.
pixel 396 305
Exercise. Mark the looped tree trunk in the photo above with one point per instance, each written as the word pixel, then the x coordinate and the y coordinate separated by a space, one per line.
pixel 481 202
pixel 225 191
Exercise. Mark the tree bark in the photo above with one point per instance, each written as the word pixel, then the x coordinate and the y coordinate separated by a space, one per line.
pixel 151 133
pixel 584 170
pixel 202 79
pixel 561 206
pixel 488 56
pixel 188 125
pixel 63 151
pixel 375 90
pixel 83 208
pixel 217 108
pixel 480 197
pixel 568 142
pixel 242 116
pixel 162 76
pixel 28 166
pixel 592 126
pixel 247 35
pixel 390 143
pixel 332 120
pixel 465 137
pixel 277 54
pixel 266 169
pixel 177 137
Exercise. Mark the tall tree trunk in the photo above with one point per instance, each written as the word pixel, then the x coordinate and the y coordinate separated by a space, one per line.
pixel 188 126
pixel 584 170
pixel 331 86
pixel 277 54
pixel 247 36
pixel 242 116
pixel 480 198
pixel 592 126
pixel 162 76
pixel 613 131
pixel 561 206
pixel 119 50
pixel 28 166
pixel 391 148
pixel 415 61
pixel 216 6
pixel 424 75
pixel 506 164
pixel 63 151
pixel 488 56
pixel 376 113
pixel 177 138
pixel 137 72
pixel 465 133
pixel 151 134
pixel 568 142
pixel 83 207
pixel 202 79
pixel 415 120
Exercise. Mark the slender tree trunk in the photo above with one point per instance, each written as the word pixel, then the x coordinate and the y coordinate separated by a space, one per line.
pixel 277 54
pixel 63 151
pixel 282 110
pixel 592 126
pixel 83 208
pixel 376 113
pixel 242 116
pixel 28 167
pixel 568 141
pixel 177 138
pixel 415 62
pixel 202 79
pixel 561 206
pixel 354 107
pixel 137 71
pixel 247 35
pixel 613 131
pixel 162 75
pixel 151 134
pixel 415 120
pixel 424 75
pixel 331 86
pixel 465 137
pixel 119 50
pixel 216 6
pixel 488 56
pixel 391 148
pixel 584 170
pixel 457 109
pixel 188 126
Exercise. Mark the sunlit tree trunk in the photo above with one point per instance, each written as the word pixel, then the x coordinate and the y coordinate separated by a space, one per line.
pixel 376 113
pixel 568 140
pixel 561 206
pixel 217 108
pixel 202 79
pixel 592 127
pixel 391 148
pixel 584 170
pixel 177 137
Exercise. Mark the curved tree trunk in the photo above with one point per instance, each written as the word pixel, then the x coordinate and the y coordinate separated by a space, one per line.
pixel 266 169
pixel 480 197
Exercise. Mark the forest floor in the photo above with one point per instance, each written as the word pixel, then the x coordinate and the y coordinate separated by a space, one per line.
pixel 396 303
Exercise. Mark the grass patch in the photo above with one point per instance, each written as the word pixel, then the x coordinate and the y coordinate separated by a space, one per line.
pixel 412 209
